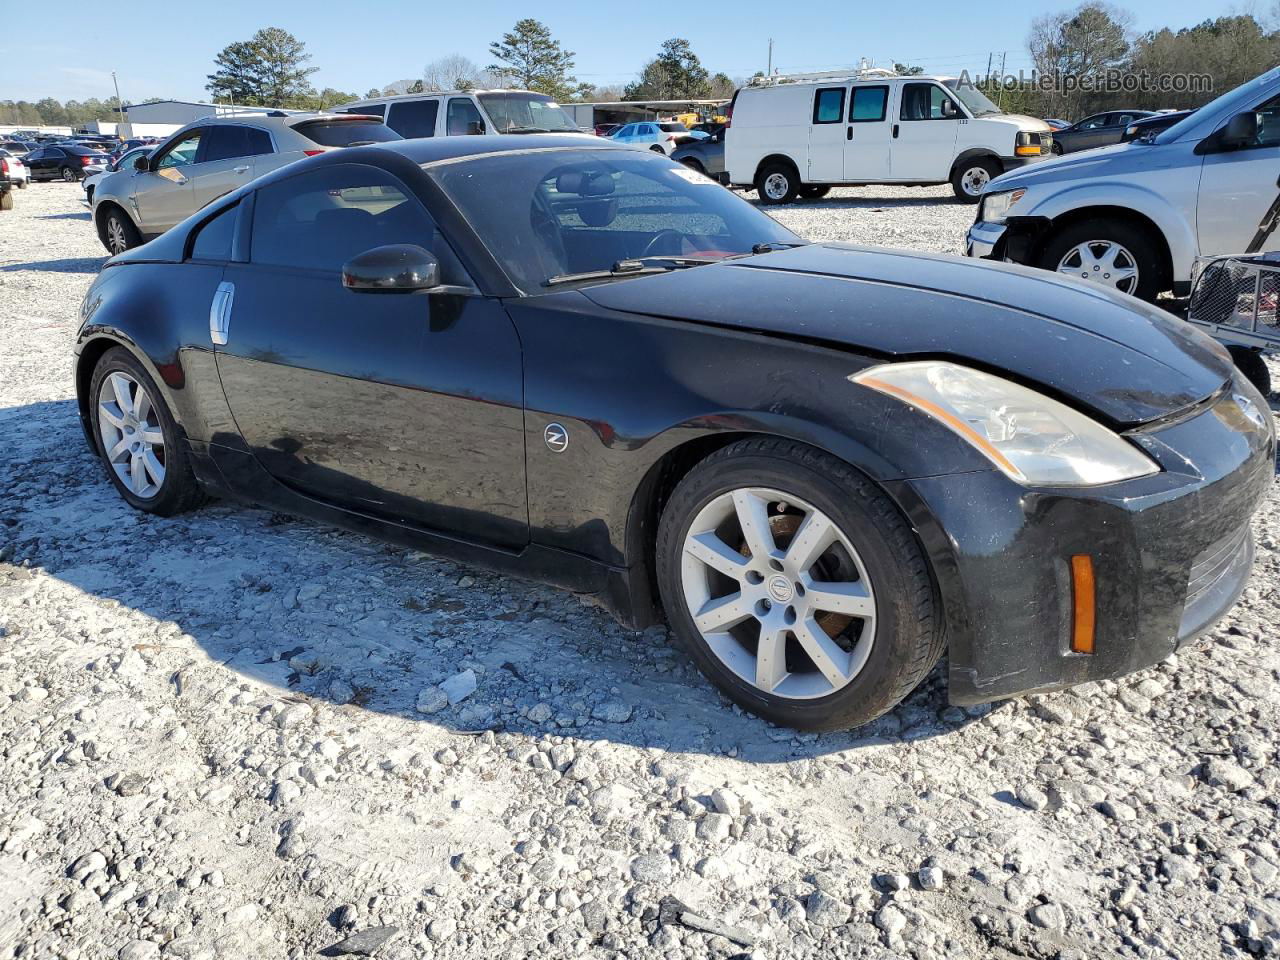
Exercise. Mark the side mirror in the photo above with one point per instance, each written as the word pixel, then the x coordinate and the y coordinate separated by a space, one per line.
pixel 141 163
pixel 395 268
pixel 1240 131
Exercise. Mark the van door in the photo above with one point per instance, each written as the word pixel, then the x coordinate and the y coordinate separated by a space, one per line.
pixel 924 135
pixel 868 137
pixel 827 136
pixel 1238 206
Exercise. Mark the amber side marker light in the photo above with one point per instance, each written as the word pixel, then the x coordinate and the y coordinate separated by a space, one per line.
pixel 1082 591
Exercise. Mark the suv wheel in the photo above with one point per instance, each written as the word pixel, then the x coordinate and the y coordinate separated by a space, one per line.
pixel 1110 252
pixel 970 178
pixel 118 232
pixel 796 586
pixel 777 183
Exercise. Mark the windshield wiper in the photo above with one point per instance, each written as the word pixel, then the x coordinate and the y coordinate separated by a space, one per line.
pixel 633 266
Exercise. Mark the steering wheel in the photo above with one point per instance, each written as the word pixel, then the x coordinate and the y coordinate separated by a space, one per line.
pixel 663 238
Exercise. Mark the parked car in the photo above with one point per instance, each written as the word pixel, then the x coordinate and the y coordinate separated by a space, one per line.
pixel 1147 127
pixel 659 136
pixel 60 162
pixel 1099 130
pixel 1135 216
pixel 17 170
pixel 706 156
pixel 212 157
pixel 462 112
pixel 820 130
pixel 501 354
pixel 123 162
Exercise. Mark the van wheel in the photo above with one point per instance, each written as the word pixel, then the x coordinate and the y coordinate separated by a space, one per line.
pixel 1250 363
pixel 1108 252
pixel 814 191
pixel 970 178
pixel 777 183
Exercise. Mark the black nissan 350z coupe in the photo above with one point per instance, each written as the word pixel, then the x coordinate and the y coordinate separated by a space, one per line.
pixel 588 365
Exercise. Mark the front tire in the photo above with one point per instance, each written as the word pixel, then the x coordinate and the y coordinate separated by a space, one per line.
pixel 118 232
pixel 777 183
pixel 1110 252
pixel 970 178
pixel 144 453
pixel 796 586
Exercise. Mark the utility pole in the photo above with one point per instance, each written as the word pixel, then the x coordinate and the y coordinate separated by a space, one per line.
pixel 768 71
pixel 119 102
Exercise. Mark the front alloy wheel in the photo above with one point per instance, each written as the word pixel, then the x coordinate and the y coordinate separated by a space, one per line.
pixel 778 593
pixel 132 438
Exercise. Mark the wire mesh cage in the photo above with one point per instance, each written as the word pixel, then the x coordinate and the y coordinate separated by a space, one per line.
pixel 1239 292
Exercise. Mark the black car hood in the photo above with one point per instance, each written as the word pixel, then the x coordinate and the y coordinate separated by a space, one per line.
pixel 1098 350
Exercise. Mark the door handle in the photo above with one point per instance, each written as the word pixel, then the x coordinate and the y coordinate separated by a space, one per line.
pixel 848 133
pixel 244 169
pixel 895 131
pixel 220 312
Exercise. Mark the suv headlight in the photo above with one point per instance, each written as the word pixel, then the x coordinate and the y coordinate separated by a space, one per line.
pixel 1031 438
pixel 995 206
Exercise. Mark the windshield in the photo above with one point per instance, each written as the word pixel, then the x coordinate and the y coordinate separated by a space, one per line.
pixel 526 112
pixel 556 213
pixel 974 99
pixel 1230 103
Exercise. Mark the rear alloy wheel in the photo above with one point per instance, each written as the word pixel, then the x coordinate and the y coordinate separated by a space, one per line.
pixel 777 183
pixel 970 178
pixel 118 232
pixel 796 586
pixel 69 175
pixel 139 443
pixel 1112 253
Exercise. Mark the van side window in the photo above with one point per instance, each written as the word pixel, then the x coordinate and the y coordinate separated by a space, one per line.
pixel 463 118
pixel 828 105
pixel 868 104
pixel 414 118
pixel 923 101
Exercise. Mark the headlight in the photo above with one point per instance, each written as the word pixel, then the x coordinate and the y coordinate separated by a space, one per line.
pixel 1031 438
pixel 995 206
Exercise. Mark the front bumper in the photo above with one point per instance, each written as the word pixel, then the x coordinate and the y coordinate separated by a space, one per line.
pixel 1171 554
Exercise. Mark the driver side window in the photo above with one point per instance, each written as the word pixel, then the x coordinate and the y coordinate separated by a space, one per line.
pixel 181 153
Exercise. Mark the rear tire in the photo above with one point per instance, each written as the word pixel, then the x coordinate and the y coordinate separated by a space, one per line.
pixel 814 191
pixel 1254 367
pixel 970 178
pixel 176 490
pixel 777 183
pixel 1137 249
pixel 877 653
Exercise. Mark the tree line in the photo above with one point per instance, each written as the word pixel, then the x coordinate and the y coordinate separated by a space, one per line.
pixel 273 68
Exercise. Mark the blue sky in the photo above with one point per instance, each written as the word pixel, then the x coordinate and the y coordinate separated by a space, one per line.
pixel 165 50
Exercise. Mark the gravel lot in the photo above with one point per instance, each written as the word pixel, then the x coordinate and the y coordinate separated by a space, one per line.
pixel 223 736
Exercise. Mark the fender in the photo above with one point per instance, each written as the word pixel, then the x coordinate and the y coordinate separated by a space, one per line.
pixel 1176 228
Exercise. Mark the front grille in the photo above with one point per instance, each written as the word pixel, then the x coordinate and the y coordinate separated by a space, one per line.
pixel 1217 576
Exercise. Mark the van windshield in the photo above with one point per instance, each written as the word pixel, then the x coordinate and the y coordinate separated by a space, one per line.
pixel 1230 103
pixel 973 98
pixel 526 113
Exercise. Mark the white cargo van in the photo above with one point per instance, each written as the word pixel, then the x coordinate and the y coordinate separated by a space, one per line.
pixel 462 112
pixel 800 135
